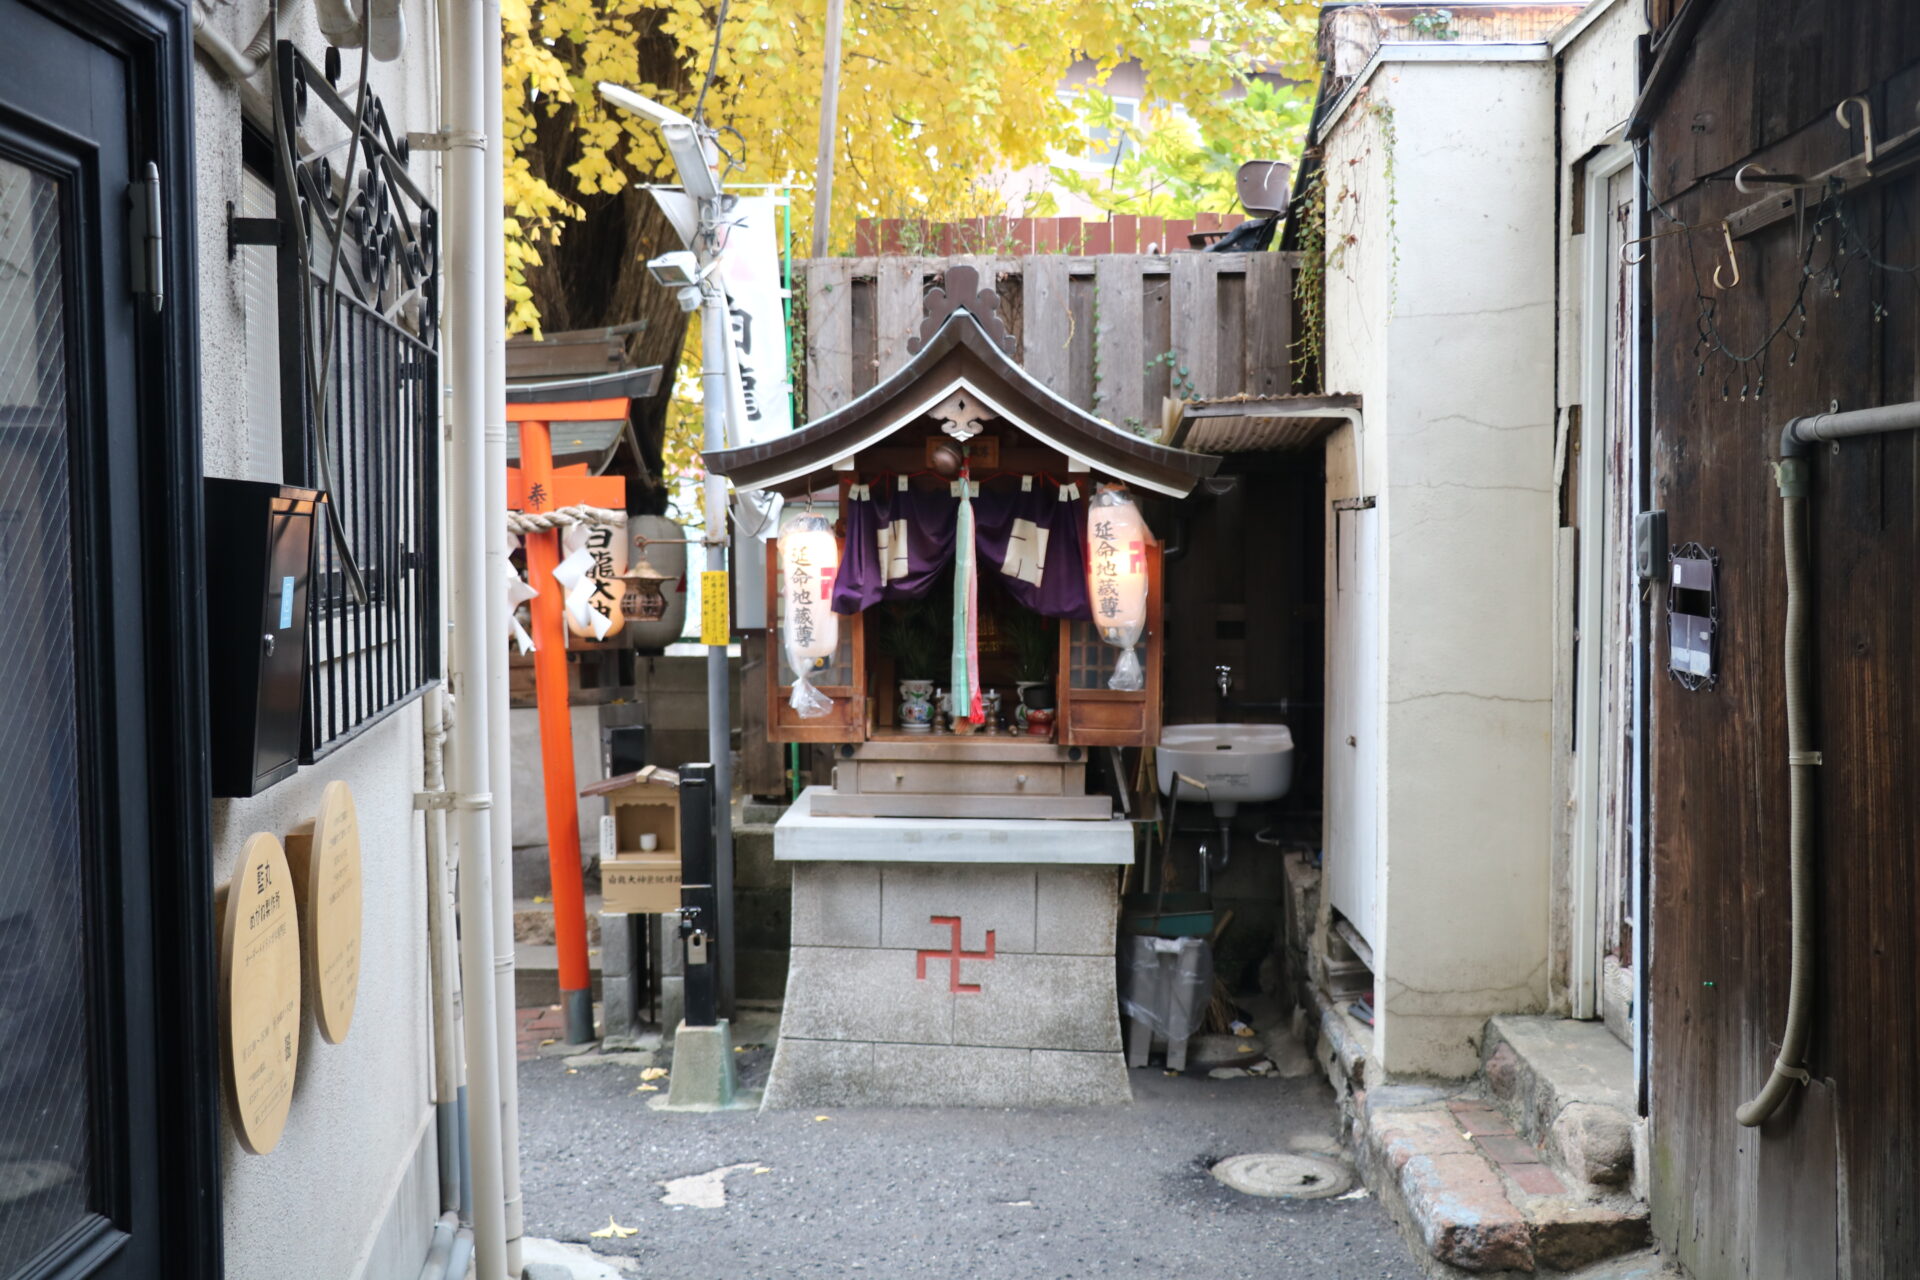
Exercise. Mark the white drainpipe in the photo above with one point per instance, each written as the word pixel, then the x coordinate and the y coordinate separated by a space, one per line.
pixel 499 727
pixel 465 70
pixel 440 944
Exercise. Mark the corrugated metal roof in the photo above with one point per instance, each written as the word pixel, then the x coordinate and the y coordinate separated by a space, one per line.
pixel 574 441
pixel 1261 424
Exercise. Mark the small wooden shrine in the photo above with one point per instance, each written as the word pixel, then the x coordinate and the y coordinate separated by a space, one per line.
pixel 995 595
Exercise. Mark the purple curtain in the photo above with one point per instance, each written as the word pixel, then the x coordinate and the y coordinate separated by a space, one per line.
pixel 859 584
pixel 899 541
pixel 1035 540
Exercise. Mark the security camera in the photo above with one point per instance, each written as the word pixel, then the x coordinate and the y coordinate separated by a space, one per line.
pixel 692 154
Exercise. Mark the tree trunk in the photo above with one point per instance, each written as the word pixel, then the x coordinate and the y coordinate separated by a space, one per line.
pixel 596 275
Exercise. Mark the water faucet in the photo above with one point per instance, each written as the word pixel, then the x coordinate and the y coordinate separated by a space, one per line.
pixel 1223 677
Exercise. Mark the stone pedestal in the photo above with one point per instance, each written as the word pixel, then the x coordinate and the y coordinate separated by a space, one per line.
pixel 950 962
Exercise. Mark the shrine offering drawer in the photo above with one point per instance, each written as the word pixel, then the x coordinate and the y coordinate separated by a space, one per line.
pixel 961 776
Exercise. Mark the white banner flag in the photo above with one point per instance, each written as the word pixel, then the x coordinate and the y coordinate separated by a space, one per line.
pixel 760 390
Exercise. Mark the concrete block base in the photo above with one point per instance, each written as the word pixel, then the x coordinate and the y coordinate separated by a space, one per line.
pixel 841 1073
pixel 702 1078
pixel 950 985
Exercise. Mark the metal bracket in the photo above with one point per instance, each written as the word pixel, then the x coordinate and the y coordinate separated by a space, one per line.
pixel 261 231
pixel 433 799
pixel 446 140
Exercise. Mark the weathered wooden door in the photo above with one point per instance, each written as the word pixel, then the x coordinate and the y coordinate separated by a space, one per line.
pixel 1353 722
pixel 1605 834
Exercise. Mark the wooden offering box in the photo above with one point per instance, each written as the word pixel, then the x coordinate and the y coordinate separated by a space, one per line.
pixel 960 776
pixel 635 880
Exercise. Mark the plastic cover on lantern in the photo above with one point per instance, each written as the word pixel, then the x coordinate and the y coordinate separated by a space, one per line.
pixel 809 628
pixel 1117 579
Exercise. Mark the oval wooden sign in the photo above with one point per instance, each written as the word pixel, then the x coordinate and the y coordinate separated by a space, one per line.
pixel 324 855
pixel 260 992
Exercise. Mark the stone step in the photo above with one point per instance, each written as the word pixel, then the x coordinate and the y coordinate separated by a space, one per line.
pixel 533 920
pixel 753 864
pixel 1568 1087
pixel 758 813
pixel 1478 1196
pixel 536 973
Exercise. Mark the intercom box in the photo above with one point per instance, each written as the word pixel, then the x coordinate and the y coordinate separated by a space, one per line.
pixel 259 560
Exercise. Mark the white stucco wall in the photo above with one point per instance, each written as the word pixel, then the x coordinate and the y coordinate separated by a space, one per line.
pixel 352 1189
pixel 1440 313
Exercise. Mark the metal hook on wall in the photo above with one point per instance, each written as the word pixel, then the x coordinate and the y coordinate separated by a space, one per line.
pixel 1627 257
pixel 1726 233
pixel 1749 178
pixel 1840 113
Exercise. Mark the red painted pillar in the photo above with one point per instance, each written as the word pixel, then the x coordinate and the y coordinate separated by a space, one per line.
pixel 556 739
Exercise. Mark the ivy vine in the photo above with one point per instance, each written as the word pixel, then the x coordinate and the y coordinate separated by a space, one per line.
pixel 1310 282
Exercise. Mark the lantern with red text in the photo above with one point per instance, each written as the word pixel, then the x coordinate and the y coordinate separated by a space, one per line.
pixel 1117 579
pixel 809 628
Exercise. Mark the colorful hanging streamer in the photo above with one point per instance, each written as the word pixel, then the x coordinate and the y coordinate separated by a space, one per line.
pixel 966 609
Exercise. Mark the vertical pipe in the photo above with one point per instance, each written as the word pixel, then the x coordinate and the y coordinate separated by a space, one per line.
pixel 499 723
pixel 440 955
pixel 713 397
pixel 1789 1066
pixel 464 73
pixel 829 128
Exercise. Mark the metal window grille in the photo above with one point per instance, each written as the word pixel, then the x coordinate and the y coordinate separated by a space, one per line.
pixel 364 329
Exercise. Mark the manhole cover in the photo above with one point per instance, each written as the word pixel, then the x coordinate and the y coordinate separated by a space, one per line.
pixel 1290 1175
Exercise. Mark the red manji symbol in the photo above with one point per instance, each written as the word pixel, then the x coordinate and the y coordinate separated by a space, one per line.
pixel 954 956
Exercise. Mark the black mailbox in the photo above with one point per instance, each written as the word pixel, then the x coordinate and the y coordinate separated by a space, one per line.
pixel 259 554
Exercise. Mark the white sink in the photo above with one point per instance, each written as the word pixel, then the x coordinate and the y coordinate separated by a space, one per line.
pixel 1240 763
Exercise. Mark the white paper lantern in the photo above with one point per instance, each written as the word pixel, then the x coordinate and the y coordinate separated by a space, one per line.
pixel 594 604
pixel 1117 541
pixel 809 628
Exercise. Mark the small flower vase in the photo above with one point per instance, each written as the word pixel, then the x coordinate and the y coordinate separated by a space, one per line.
pixel 1040 722
pixel 916 706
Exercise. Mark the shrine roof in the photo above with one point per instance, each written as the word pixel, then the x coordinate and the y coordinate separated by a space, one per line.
pixel 961 357
pixel 651 774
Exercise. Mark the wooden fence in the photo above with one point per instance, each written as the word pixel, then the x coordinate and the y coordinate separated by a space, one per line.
pixel 1114 334
pixel 989 237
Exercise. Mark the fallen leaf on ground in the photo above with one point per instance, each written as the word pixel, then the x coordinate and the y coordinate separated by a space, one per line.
pixel 648 1088
pixel 1358 1193
pixel 614 1231
pixel 653 1073
pixel 538 898
pixel 545 1043
pixel 573 1071
pixel 760 1168
pixel 823 1117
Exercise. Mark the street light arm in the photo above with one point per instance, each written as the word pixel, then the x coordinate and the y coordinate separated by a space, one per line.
pixel 684 139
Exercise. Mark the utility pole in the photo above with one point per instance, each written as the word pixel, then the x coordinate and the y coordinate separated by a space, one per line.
pixel 691 274
pixel 829 132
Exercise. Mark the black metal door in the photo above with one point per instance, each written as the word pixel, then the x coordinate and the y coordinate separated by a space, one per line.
pixel 81 1148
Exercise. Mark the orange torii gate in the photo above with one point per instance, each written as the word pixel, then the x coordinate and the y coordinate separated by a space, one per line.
pixel 536 486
